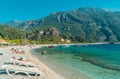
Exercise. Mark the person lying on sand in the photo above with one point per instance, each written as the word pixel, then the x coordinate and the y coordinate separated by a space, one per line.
pixel 21 58
pixel 17 51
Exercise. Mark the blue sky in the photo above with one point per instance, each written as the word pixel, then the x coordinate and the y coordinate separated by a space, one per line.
pixel 35 9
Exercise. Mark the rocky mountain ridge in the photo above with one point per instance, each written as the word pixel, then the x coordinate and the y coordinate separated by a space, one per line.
pixel 90 24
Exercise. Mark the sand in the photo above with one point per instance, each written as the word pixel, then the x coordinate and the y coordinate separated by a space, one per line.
pixel 47 73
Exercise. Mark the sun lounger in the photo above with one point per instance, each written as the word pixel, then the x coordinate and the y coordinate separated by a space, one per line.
pixel 15 69
pixel 18 62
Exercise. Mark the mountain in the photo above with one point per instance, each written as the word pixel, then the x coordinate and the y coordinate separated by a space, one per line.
pixel 81 25
pixel 13 23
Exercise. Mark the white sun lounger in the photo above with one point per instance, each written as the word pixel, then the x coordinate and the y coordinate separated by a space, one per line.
pixel 25 63
pixel 15 69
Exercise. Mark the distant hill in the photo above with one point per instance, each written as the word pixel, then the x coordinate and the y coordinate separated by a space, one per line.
pixel 83 24
pixel 13 23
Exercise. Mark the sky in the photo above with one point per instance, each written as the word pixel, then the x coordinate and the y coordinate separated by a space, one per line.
pixel 35 9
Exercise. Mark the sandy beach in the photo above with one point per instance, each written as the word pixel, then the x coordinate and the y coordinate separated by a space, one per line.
pixel 47 73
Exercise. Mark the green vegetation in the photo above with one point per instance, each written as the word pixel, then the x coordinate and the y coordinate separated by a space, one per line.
pixel 13 35
pixel 79 25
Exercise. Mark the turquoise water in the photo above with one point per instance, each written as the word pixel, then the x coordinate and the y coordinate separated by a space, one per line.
pixel 94 61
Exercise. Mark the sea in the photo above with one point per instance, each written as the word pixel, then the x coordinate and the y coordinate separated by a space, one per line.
pixel 96 61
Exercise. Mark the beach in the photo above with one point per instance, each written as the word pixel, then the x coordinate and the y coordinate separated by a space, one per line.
pixel 47 73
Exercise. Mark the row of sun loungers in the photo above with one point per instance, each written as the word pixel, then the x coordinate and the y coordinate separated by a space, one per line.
pixel 24 63
pixel 16 69
pixel 20 67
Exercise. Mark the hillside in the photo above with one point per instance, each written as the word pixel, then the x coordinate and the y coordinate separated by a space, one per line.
pixel 13 23
pixel 81 25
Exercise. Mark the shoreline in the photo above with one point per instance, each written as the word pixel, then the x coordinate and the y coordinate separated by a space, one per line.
pixel 90 63
pixel 97 43
pixel 45 69
pixel 59 69
pixel 47 72
pixel 63 70
pixel 41 45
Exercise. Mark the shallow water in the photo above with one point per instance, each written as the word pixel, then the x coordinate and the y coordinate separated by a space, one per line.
pixel 94 61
